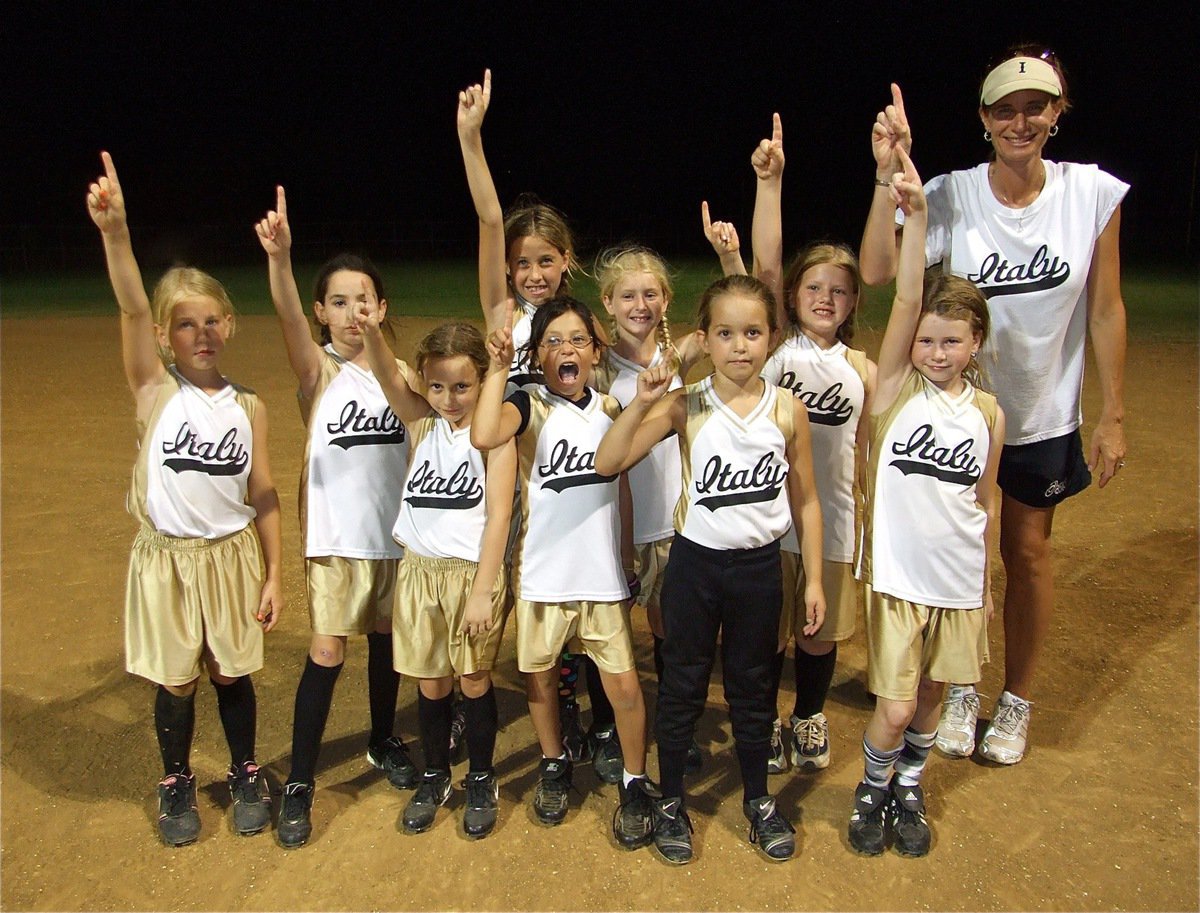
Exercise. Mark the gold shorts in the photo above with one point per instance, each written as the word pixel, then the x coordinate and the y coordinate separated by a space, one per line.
pixel 599 629
pixel 650 564
pixel 185 597
pixel 349 595
pixel 906 640
pixel 841 600
pixel 427 617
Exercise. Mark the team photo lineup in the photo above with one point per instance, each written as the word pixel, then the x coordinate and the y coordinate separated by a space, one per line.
pixel 755 484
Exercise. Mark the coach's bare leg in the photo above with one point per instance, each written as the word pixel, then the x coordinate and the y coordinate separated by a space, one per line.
pixel 327 650
pixel 1029 590
pixel 542 690
pixel 624 692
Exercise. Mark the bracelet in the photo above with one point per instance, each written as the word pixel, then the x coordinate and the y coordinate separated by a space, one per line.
pixel 879 183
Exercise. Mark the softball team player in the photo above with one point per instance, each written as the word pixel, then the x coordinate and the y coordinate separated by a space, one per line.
pixel 354 465
pixel 565 502
pixel 196 588
pixel 527 254
pixel 448 616
pixel 818 304
pixel 935 448
pixel 747 477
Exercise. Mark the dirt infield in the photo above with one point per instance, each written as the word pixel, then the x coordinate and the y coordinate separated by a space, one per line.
pixel 1101 815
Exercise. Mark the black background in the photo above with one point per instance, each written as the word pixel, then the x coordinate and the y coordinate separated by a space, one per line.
pixel 624 116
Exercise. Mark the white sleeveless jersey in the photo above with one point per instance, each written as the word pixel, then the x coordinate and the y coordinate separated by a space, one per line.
pixel 193 467
pixel 1032 265
pixel 735 470
pixel 833 392
pixel 569 546
pixel 924 535
pixel 520 374
pixel 355 461
pixel 655 482
pixel 444 507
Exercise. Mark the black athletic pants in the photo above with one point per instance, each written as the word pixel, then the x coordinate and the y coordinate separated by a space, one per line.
pixel 737 593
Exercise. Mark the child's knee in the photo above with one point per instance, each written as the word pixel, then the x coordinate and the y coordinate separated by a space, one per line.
pixel 327 650
pixel 624 690
pixel 476 684
pixel 182 690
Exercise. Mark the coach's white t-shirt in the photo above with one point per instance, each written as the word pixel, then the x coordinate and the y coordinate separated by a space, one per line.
pixel 1032 264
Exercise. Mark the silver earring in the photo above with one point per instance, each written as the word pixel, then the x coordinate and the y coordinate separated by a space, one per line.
pixel 1054 130
pixel 987 136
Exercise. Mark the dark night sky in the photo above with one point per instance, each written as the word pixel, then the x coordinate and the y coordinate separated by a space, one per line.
pixel 623 116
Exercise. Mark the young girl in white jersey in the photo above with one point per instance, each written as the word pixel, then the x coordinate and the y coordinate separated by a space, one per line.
pixel 747 477
pixel 934 452
pixel 448 617
pixel 355 459
pixel 567 572
pixel 527 254
pixel 196 590
pixel 818 302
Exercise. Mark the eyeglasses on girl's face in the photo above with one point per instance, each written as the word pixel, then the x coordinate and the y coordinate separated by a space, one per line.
pixel 578 341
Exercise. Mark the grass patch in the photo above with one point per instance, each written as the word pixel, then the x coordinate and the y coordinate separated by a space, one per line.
pixel 1161 304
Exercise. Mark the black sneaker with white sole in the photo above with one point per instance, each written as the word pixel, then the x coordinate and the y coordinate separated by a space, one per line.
pixel 906 815
pixel 868 822
pixel 251 798
pixel 550 796
pixel 391 756
pixel 772 832
pixel 432 792
pixel 178 820
pixel 295 815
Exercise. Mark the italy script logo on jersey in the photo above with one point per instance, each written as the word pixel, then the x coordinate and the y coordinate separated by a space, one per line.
pixel 997 276
pixel 827 407
pixel 571 468
pixel 227 457
pixel 461 491
pixel 725 486
pixel 356 427
pixel 949 464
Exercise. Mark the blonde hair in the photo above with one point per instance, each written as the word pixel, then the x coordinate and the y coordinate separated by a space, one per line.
pixel 818 254
pixel 616 262
pixel 451 340
pixel 530 217
pixel 955 298
pixel 181 282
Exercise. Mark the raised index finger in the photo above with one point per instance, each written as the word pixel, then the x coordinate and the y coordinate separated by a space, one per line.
pixel 705 217
pixel 110 170
pixel 280 201
pixel 776 128
pixel 487 86
pixel 898 99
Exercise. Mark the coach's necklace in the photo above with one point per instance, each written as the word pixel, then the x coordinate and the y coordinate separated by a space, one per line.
pixel 1012 204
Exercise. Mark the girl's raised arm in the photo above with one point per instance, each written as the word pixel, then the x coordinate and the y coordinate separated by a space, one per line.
pixel 895 359
pixel 766 229
pixel 495 421
pixel 139 349
pixel 724 240
pixel 649 418
pixel 473 103
pixel 304 354
pixel 890 134
pixel 408 405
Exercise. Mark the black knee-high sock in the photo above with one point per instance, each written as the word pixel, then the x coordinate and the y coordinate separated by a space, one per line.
pixel 383 684
pixel 776 675
pixel 174 722
pixel 813 677
pixel 568 677
pixel 753 763
pixel 434 719
pixel 482 722
pixel 602 709
pixel 238 708
pixel 658 660
pixel 313 697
